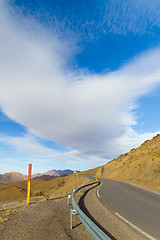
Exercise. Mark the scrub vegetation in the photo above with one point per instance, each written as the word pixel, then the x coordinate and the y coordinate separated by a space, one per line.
pixel 59 186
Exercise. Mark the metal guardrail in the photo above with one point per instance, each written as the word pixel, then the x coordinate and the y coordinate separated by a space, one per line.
pixel 95 231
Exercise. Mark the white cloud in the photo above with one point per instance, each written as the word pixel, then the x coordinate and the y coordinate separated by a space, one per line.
pixel 88 113
pixel 29 144
pixel 130 140
pixel 30 149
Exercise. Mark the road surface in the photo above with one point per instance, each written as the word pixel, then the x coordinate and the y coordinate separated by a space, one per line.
pixel 138 207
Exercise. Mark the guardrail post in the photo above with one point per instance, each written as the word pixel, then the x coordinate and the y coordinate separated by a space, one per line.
pixel 72 212
pixel 68 198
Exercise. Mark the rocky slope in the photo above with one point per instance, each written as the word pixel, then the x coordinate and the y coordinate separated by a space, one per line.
pixel 140 166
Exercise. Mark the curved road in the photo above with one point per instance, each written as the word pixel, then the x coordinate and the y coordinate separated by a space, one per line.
pixel 138 207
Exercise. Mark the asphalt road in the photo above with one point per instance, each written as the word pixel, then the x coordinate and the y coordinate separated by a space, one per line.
pixel 138 207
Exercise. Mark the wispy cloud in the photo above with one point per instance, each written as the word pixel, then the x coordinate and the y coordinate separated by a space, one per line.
pixel 88 20
pixel 122 17
pixel 29 144
pixel 30 148
pixel 88 113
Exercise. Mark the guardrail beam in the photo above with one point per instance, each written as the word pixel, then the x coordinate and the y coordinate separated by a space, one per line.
pixel 95 231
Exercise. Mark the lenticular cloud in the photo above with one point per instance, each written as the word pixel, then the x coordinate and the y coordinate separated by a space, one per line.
pixel 86 112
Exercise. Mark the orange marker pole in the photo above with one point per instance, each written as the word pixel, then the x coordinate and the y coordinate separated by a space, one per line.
pixel 29 183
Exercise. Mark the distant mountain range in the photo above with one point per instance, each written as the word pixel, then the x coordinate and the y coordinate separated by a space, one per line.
pixel 56 173
pixel 15 176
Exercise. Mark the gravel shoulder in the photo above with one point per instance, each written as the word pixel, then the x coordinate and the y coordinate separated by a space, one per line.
pixel 45 220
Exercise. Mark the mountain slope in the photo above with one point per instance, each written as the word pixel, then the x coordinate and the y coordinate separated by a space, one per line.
pixel 51 188
pixel 49 173
pixel 140 166
pixel 53 172
pixel 12 177
pixel 15 176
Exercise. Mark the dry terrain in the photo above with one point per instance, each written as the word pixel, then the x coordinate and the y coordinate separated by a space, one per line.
pixel 46 217
pixel 140 166
pixel 59 186
pixel 40 220
pixel 50 219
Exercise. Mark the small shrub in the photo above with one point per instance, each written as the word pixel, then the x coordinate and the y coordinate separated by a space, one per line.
pixel 152 159
pixel 38 193
pixel 139 164
pixel 46 197
pixel 158 154
pixel 61 184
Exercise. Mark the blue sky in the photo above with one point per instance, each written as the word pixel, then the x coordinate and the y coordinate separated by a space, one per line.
pixel 79 81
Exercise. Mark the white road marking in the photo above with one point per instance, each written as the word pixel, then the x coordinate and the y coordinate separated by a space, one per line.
pixel 98 193
pixel 138 229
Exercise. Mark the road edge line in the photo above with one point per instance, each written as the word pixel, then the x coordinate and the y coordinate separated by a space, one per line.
pixel 135 227
pixel 98 191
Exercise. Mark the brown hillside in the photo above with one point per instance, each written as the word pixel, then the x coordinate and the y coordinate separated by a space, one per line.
pixel 12 193
pixel 50 189
pixel 12 177
pixel 140 166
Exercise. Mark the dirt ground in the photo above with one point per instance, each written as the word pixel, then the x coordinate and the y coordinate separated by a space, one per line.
pixel 45 220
